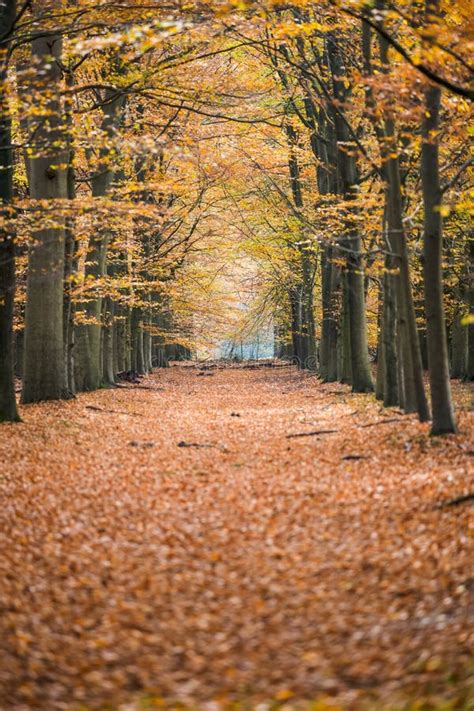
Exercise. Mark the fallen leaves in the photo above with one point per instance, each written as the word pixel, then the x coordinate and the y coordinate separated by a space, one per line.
pixel 246 571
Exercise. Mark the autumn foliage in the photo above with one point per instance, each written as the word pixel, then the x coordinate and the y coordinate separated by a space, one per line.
pixel 185 187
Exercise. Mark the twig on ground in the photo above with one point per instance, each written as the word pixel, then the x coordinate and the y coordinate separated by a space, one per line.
pixel 195 444
pixel 315 433
pixel 115 412
pixel 457 501
pixel 383 422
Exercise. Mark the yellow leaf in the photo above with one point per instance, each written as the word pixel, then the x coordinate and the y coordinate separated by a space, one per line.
pixel 283 694
pixel 433 664
pixel 444 210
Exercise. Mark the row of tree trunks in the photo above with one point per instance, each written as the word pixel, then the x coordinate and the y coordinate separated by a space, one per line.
pixel 361 376
pixel 92 371
pixel 402 382
pixel 413 388
pixel 111 338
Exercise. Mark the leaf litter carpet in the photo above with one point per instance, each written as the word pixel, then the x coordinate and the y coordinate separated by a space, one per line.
pixel 250 535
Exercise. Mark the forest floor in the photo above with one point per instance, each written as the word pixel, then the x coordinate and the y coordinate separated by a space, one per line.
pixel 247 536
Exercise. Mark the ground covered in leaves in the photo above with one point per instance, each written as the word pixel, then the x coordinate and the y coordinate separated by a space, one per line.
pixel 233 535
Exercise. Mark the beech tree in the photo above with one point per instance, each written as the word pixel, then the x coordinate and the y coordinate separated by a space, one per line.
pixel 44 366
pixel 8 408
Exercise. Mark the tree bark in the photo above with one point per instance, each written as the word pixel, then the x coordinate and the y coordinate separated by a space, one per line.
pixel 389 340
pixel 459 331
pixel 296 327
pixel 459 345
pixel 345 376
pixel 438 362
pixel 379 380
pixel 70 260
pixel 8 407
pixel 138 357
pixel 306 342
pixel 470 327
pixel 108 343
pixel 44 367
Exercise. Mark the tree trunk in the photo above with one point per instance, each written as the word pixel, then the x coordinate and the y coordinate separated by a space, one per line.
pixel 138 360
pixel 387 371
pixel 414 399
pixel 328 344
pixel 334 316
pixel 415 396
pixel 148 342
pixel 306 341
pixel 421 326
pixel 121 337
pixel 323 148
pixel 470 327
pixel 44 366
pixel 8 408
pixel 345 376
pixel 68 315
pixel 147 351
pixel 70 260
pixel 438 363
pixel 18 338
pixel 97 257
pixel 360 365
pixel 361 373
pixel 389 340
pixel 400 374
pixel 128 339
pixel 108 371
pixel 309 356
pixel 459 345
pixel 296 325
pixel 379 381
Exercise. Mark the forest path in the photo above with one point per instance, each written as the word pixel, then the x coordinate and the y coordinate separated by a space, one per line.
pixel 253 565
